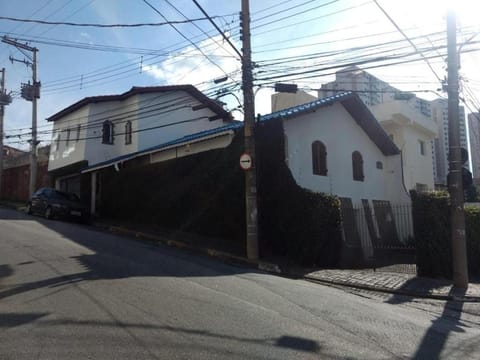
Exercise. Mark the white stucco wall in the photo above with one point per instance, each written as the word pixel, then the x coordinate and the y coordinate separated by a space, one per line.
pixel 173 107
pixel 148 113
pixel 418 168
pixel 341 135
pixel 61 152
pixel 117 112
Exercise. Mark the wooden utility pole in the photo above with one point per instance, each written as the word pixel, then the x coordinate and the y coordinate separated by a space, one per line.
pixel 455 183
pixel 249 128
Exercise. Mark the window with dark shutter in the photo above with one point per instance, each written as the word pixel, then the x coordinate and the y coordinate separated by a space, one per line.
pixel 357 166
pixel 128 132
pixel 107 132
pixel 319 158
pixel 68 137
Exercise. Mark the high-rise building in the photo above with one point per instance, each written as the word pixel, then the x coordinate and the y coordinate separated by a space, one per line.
pixel 439 109
pixel 474 135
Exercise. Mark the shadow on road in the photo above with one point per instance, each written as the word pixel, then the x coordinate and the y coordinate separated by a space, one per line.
pixel 108 256
pixel 5 270
pixel 434 340
pixel 116 257
pixel 12 320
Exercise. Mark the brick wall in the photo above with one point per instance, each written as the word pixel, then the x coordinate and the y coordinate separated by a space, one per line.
pixel 15 181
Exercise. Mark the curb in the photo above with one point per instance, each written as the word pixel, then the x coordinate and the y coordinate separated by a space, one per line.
pixel 266 266
pixel 224 256
pixel 276 269
pixel 411 293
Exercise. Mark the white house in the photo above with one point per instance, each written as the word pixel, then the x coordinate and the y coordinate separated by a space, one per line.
pixel 404 116
pixel 335 145
pixel 412 132
pixel 338 128
pixel 101 131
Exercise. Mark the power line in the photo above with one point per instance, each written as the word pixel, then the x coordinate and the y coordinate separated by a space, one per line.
pixel 292 15
pixel 304 21
pixel 408 39
pixel 186 38
pixel 43 22
pixel 48 16
pixel 218 29
pixel 69 16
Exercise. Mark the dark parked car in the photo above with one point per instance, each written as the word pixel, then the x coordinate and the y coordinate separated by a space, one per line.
pixel 57 204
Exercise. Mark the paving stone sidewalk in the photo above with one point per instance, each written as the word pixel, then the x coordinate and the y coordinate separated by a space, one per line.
pixel 396 283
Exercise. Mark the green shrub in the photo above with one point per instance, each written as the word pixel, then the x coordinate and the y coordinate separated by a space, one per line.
pixel 295 223
pixel 431 218
pixel 431 223
pixel 472 224
pixel 201 193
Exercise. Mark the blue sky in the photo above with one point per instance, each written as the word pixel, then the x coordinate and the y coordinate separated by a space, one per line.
pixel 329 33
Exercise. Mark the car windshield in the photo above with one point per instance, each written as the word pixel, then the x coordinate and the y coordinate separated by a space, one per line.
pixel 66 196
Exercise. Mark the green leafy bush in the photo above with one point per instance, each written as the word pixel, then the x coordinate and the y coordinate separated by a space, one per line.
pixel 431 223
pixel 295 223
pixel 201 193
pixel 431 217
pixel 472 224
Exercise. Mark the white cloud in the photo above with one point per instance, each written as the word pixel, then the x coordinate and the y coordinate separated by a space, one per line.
pixel 193 66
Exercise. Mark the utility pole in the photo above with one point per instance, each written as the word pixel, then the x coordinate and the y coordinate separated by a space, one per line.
pixel 455 183
pixel 5 99
pixel 249 127
pixel 30 93
pixel 2 91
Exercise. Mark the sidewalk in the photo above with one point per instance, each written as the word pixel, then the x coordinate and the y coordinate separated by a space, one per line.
pixel 388 282
pixel 396 283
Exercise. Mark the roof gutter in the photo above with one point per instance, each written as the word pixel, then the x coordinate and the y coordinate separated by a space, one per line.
pixel 149 152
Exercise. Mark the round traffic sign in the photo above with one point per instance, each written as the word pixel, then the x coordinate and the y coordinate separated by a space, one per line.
pixel 245 161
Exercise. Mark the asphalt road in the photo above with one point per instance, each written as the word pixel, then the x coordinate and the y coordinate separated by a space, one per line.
pixel 68 291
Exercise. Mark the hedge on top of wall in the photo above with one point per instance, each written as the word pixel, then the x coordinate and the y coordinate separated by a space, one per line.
pixel 204 194
pixel 431 224
pixel 431 218
pixel 297 223
pixel 201 193
pixel 472 224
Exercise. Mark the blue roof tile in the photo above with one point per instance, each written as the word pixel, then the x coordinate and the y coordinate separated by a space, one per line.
pixel 304 108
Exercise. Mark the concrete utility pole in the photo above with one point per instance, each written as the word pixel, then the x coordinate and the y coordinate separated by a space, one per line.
pixel 455 185
pixel 249 127
pixel 5 99
pixel 2 109
pixel 30 93
pixel 33 153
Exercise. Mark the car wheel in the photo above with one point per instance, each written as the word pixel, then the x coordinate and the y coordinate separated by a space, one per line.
pixel 48 213
pixel 29 209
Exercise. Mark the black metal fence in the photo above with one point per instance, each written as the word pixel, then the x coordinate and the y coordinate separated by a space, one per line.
pixel 379 235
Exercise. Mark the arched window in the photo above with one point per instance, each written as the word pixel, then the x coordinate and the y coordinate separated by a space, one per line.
pixel 319 158
pixel 128 132
pixel 357 166
pixel 107 132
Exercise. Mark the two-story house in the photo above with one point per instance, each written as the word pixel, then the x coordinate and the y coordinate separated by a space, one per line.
pixel 101 131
